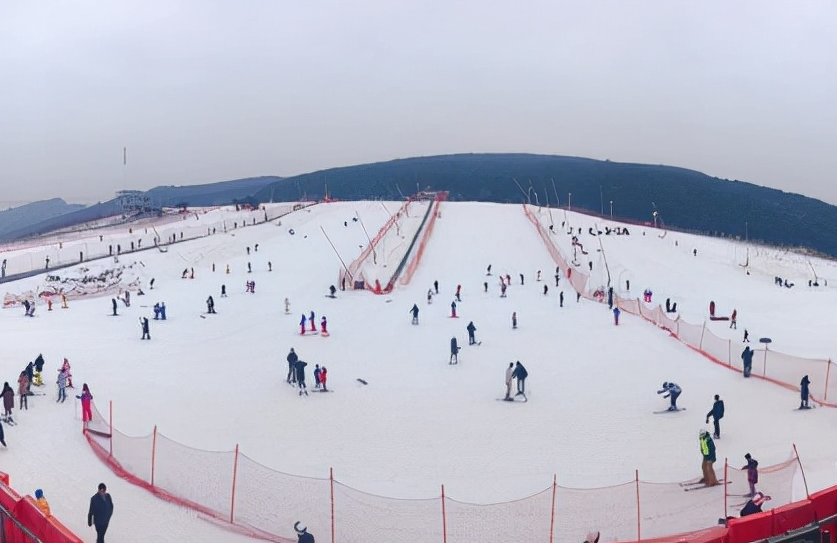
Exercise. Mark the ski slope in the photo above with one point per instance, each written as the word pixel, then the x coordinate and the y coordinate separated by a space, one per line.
pixel 211 382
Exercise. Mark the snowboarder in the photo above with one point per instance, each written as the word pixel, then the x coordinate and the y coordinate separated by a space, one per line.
pixel 415 312
pixel 324 325
pixel 509 378
pixel 803 393
pixel 300 377
pixel 210 305
pixel 471 329
pixel 514 320
pixel 458 290
pixel 312 322
pixel 752 468
pixel 302 322
pixel 144 325
pixel 436 286
pixel 707 450
pixel 453 309
pixel 8 396
pixel 113 304
pixel 454 351
pixel 671 390
pixel 86 399
pixel 732 320
pixel 292 358
pixel 616 314
pixel 520 374
pixel 747 358
pixel 302 533
pixel 717 413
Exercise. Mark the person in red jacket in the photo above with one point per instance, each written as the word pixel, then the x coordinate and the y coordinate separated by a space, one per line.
pixel 323 377
pixel 86 398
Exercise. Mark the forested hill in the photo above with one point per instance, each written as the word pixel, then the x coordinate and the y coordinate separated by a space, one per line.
pixel 683 198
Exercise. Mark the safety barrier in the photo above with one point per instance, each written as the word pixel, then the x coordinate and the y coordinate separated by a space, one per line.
pixel 22 522
pixel 425 238
pixel 248 497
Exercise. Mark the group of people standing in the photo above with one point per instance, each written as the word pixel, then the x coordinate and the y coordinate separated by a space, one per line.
pixel 296 374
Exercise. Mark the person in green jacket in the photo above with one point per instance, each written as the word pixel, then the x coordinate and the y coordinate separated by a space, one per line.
pixel 707 450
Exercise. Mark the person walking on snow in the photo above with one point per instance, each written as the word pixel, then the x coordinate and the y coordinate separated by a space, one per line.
pixel 62 385
pixel 616 314
pixel 803 393
pixel 100 511
pixel 454 351
pixel 23 391
pixel 312 322
pixel 471 329
pixel 458 290
pixel 520 374
pixel 429 296
pixel 509 379
pixel 302 322
pixel 453 309
pixel 732 320
pixel 752 468
pixel 324 325
pixel 514 320
pixel 292 358
pixel 8 396
pixel 707 450
pixel 415 312
pixel 747 358
pixel 717 413
pixel 146 334
pixel 86 399
pixel 671 390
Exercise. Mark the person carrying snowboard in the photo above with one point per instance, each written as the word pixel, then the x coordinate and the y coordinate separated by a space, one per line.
pixel 717 413
pixel 471 329
pixel 415 312
pixel 520 374
pixel 671 390
pixel 454 351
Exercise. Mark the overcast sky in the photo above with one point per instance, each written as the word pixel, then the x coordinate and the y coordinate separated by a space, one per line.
pixel 206 91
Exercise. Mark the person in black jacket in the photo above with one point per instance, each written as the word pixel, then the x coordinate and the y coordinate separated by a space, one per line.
pixel 300 376
pixel 101 509
pixel 302 533
pixel 717 413
pixel 292 358
pixel 747 360
pixel 471 329
pixel 520 374
pixel 454 351
pixel 39 368
pixel 803 393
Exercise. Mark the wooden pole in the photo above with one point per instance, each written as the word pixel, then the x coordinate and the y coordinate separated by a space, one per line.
pixel 153 453
pixel 110 417
pixel 234 480
pixel 552 517
pixel 331 481
pixel 726 487
pixel 444 518
pixel 804 479
pixel 827 373
pixel 638 514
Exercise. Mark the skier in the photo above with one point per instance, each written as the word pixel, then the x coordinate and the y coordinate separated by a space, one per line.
pixel 436 286
pixel 86 398
pixel 317 372
pixel 312 322
pixel 732 319
pixel 332 290
pixel 454 351
pixel 521 278
pixel 415 312
pixel 717 413
pixel 557 276
pixel 509 378
pixel 752 468
pixel 747 358
pixel 210 305
pixel 453 309
pixel 673 391
pixel 62 385
pixel 270 267
pixel 458 290
pixel 144 325
pixel 746 336
pixel 162 312
pixel 23 391
pixel 804 393
pixel 707 451
pixel 302 533
pixel 561 299
pixel 488 270
pixel 39 367
pixel 324 326
pixel 485 286
pixel 287 306
pixel 502 289
pixel 616 314
pixel 29 371
pixel 66 367
pixel 113 304
pixel 302 322
pixel 323 378
pixel 8 396
pixel 471 329
pixel 754 504
pixel 539 275
pixel 545 289
pixel 514 320
pixel 223 291
pixel 300 376
pixel 520 374
pixel 429 296
pixel 292 358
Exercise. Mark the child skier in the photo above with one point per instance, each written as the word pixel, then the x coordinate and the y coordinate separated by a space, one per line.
pixel 312 322
pixel 323 378
pixel 671 390
pixel 324 326
pixel 317 372
pixel 454 351
pixel 302 322
pixel 62 385
pixel 471 329
pixel 86 399
pixel 415 312
pixel 66 367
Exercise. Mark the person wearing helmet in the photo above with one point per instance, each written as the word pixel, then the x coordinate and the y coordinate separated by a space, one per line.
pixel 707 450
pixel 302 533
pixel 671 390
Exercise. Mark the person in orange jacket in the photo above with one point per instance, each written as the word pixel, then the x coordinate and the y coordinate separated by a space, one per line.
pixel 41 502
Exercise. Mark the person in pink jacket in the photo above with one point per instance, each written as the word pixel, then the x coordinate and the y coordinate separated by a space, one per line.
pixel 86 398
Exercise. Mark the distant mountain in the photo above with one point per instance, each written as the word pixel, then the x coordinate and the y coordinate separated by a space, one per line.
pixel 684 199
pixel 15 218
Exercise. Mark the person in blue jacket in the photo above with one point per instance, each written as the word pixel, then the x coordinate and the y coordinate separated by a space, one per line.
pixel 717 413
pixel 747 359
pixel 671 390
pixel 616 314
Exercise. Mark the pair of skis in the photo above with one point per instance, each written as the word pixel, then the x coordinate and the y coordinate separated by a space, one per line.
pixel 696 485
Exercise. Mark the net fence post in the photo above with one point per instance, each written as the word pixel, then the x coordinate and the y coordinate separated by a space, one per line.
pixel 726 487
pixel 552 516
pixel 110 422
pixel 638 513
pixel 234 480
pixel 331 484
pixel 153 453
pixel 702 331
pixel 444 518
pixel 802 470
pixel 827 373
